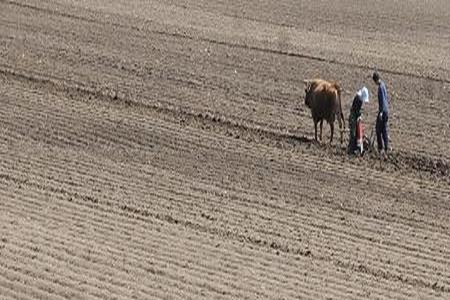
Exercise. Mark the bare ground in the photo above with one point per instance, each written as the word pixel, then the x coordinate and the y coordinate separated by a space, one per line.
pixel 161 149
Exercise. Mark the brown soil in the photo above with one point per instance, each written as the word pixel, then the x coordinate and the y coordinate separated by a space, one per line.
pixel 161 149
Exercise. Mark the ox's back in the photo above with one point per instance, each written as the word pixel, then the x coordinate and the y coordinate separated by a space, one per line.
pixel 324 100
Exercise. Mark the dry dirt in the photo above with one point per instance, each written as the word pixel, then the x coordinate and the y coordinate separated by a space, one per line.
pixel 161 150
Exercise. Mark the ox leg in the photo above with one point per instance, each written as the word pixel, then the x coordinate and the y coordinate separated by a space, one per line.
pixel 332 131
pixel 321 126
pixel 315 130
pixel 341 129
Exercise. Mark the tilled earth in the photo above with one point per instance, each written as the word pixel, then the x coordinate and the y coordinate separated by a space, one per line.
pixel 161 149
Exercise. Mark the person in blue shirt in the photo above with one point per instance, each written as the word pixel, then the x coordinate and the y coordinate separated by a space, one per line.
pixel 383 114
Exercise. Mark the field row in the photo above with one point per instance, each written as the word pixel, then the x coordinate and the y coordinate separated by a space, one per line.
pixel 161 149
pixel 222 81
pixel 317 229
pixel 90 220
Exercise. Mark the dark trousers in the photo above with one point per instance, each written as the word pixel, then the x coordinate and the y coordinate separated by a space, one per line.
pixel 382 132
pixel 352 145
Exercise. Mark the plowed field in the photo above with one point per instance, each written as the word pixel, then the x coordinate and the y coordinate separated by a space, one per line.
pixel 162 150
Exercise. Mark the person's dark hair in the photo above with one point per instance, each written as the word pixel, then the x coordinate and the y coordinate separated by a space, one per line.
pixel 375 76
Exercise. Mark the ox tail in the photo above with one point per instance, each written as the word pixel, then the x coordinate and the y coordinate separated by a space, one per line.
pixel 341 113
pixel 340 109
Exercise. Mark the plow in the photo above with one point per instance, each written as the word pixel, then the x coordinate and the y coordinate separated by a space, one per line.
pixel 364 143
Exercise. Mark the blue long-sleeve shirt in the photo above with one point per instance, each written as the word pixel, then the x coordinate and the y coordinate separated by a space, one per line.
pixel 382 98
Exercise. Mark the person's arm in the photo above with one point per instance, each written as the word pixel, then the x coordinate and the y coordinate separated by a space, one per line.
pixel 380 102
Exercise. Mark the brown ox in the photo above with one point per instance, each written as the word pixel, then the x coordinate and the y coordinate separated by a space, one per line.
pixel 324 100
